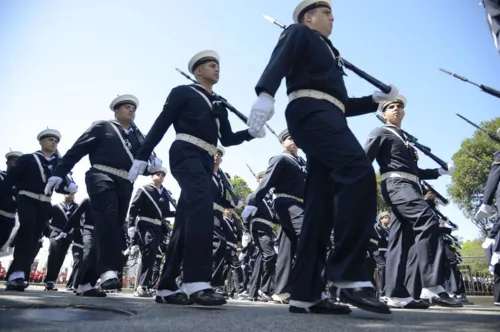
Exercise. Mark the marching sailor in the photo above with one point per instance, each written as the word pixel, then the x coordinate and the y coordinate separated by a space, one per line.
pixel 286 173
pixel 261 226
pixel 224 241
pixel 8 201
pixel 414 224
pixel 200 120
pixel 337 167
pixel 59 240
pixel 149 206
pixel 111 146
pixel 29 176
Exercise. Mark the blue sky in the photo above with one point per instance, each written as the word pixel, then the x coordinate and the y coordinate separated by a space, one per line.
pixel 62 62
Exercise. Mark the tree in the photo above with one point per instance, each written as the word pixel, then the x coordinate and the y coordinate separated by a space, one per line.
pixel 473 256
pixel 381 205
pixel 472 164
pixel 241 189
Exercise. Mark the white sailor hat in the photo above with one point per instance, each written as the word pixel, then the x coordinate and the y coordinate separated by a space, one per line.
pixel 162 170
pixel 124 99
pixel 400 99
pixel 307 5
pixel 201 58
pixel 13 154
pixel 221 150
pixel 49 133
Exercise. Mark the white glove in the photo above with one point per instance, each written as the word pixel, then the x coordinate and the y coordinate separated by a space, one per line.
pixel 259 134
pixel 483 212
pixel 61 235
pixel 449 171
pixel 245 240
pixel 52 183
pixel 134 250
pixel 72 188
pixel 237 206
pixel 487 243
pixel 131 232
pixel 248 211
pixel 379 96
pixel 155 166
pixel 262 110
pixel 138 168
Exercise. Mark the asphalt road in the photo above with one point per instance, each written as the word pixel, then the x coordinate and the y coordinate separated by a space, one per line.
pixel 36 310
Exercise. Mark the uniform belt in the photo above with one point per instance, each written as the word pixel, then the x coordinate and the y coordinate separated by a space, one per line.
pixel 111 170
pixel 54 228
pixel 382 249
pixel 263 221
pixel 211 149
pixel 7 214
pixel 231 244
pixel 38 197
pixel 78 245
pixel 316 95
pixel 151 220
pixel 219 208
pixel 402 175
pixel 88 226
pixel 289 196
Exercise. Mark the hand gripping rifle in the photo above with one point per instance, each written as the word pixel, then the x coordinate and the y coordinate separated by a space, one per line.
pixel 485 88
pixel 372 80
pixel 440 197
pixel 425 150
pixel 443 217
pixel 230 107
pixel 491 136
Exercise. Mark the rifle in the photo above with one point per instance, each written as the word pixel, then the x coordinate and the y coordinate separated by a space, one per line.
pixel 479 160
pixel 251 171
pixel 230 107
pixel 425 150
pixel 229 187
pixel 491 136
pixel 443 199
pixel 485 88
pixel 171 199
pixel 443 217
pixel 367 77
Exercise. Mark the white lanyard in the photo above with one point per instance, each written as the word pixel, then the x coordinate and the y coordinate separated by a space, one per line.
pixel 123 141
pixel 152 200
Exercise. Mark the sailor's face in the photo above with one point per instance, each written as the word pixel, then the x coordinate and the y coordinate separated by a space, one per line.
pixel 49 144
pixel 11 162
pixel 158 178
pixel 385 220
pixel 125 112
pixel 289 144
pixel 69 197
pixel 394 113
pixel 322 21
pixel 209 71
pixel 218 158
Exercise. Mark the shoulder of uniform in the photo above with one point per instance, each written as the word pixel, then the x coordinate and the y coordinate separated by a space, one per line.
pixel 181 88
pixel 377 132
pixel 293 30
